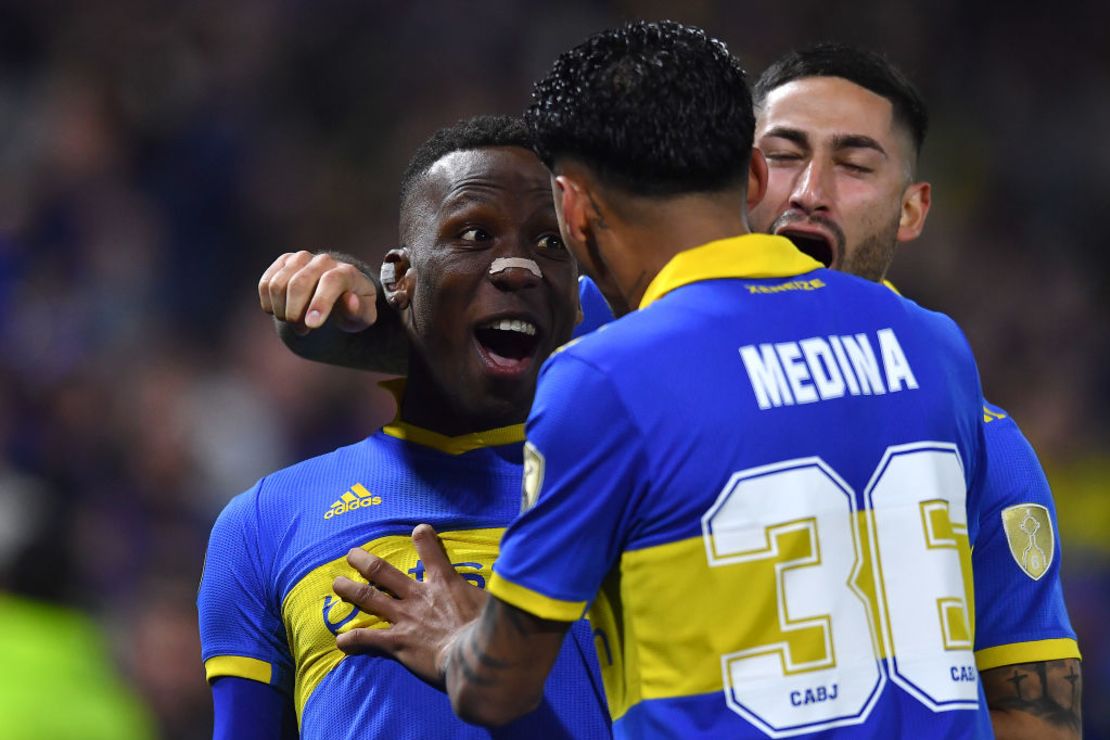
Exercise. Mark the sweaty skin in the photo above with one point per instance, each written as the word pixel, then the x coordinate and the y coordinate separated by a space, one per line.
pixel 839 170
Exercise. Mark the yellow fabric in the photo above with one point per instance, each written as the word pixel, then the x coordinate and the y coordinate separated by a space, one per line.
pixel 1026 652
pixel 748 256
pixel 542 606
pixel 240 667
pixel 455 445
pixel 620 669
pixel 312 601
pixel 667 655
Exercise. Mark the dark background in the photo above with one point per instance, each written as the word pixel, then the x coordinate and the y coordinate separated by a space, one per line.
pixel 155 157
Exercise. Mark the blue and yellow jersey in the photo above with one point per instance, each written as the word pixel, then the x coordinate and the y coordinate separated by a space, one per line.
pixel 1019 601
pixel 772 530
pixel 268 613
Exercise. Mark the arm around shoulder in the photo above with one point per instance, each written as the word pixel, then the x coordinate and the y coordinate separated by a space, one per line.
pixel 330 308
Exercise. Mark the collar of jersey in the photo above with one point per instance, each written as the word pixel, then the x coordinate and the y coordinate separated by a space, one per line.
pixel 748 256
pixel 513 434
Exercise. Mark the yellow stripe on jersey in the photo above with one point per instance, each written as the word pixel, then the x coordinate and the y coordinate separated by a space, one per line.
pixel 1034 651
pixel 238 667
pixel 619 671
pixel 678 618
pixel 710 615
pixel 542 606
pixel 455 445
pixel 749 256
pixel 314 615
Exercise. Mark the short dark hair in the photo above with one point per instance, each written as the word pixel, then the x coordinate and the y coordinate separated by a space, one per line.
pixel 478 132
pixel 868 69
pixel 653 108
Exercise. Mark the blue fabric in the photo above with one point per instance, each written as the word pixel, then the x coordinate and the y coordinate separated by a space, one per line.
pixel 245 710
pixel 595 310
pixel 683 415
pixel 1010 606
pixel 284 537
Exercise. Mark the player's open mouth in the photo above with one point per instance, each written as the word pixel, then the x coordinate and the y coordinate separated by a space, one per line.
pixel 817 246
pixel 508 345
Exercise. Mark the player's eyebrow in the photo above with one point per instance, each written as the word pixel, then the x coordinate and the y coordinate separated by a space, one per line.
pixel 790 134
pixel 468 197
pixel 857 141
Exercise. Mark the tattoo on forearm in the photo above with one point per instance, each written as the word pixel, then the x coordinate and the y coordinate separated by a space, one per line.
pixel 488 660
pixel 516 619
pixel 1050 690
pixel 467 667
pixel 472 654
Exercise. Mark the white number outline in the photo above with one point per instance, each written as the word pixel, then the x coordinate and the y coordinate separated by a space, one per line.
pixel 887 666
pixel 880 582
pixel 784 651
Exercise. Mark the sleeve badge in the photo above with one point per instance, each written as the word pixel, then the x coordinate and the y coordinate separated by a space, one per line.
pixel 533 476
pixel 1030 536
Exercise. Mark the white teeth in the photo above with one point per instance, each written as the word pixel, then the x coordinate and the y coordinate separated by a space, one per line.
pixel 524 327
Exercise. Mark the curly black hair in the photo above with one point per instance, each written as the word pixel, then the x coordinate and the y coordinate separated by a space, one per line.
pixel 470 133
pixel 653 108
pixel 868 69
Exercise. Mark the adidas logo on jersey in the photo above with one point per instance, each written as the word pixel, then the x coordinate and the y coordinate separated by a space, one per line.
pixel 356 498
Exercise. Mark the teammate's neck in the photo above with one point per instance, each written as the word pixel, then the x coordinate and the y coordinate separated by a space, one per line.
pixel 640 245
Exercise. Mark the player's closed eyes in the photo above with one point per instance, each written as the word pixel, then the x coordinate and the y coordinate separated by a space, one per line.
pixel 856 169
pixel 785 157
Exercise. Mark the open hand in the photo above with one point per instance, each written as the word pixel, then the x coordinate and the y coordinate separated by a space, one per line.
pixel 304 289
pixel 425 616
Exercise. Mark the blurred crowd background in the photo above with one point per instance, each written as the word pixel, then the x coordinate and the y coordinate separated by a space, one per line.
pixel 155 157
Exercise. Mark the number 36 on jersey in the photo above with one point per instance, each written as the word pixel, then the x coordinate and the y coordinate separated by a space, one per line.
pixel 863 596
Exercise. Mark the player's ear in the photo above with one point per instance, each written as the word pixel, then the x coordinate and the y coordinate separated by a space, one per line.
pixel 398 278
pixel 757 178
pixel 915 207
pixel 572 207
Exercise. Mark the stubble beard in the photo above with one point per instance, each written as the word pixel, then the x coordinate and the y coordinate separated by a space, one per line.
pixel 872 257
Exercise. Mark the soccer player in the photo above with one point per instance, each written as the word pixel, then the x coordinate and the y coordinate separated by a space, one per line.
pixel 842 131
pixel 772 528
pixel 485 290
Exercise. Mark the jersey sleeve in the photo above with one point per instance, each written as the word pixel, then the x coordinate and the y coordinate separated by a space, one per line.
pixel 1019 601
pixel 584 467
pixel 246 709
pixel 241 631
